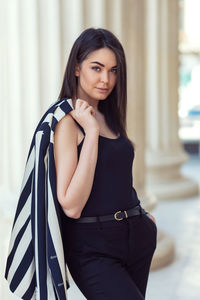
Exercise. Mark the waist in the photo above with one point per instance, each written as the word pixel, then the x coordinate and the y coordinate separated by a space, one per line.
pixel 118 216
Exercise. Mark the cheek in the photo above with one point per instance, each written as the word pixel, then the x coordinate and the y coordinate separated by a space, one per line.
pixel 88 78
pixel 113 81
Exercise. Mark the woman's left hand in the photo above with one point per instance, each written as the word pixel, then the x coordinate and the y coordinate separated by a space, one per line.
pixel 151 217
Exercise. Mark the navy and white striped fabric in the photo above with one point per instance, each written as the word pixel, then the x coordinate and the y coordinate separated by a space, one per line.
pixel 35 267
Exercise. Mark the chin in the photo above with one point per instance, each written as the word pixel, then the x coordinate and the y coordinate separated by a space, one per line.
pixel 102 97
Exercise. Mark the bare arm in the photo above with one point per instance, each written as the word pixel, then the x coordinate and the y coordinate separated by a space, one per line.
pixel 74 178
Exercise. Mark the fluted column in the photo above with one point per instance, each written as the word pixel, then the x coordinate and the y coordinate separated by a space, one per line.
pixel 134 46
pixel 165 154
pixel 49 50
pixel 93 13
pixel 133 38
pixel 71 25
pixel 10 93
pixel 113 13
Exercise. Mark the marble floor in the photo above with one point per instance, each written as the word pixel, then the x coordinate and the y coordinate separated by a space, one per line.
pixel 180 219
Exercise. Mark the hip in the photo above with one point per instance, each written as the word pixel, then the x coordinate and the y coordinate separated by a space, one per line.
pixel 104 238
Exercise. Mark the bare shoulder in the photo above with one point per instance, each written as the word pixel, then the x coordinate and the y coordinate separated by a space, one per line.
pixel 66 128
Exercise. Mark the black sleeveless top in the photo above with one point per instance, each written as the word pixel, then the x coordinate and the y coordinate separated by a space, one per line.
pixel 112 188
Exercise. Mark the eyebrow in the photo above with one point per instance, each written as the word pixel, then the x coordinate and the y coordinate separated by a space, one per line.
pixel 98 63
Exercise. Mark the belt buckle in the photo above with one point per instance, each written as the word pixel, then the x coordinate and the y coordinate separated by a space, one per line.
pixel 118 219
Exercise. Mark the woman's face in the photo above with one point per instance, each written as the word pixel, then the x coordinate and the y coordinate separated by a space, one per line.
pixel 97 75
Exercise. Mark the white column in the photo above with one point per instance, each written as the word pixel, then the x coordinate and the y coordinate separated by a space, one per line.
pixel 134 45
pixel 93 13
pixel 102 13
pixel 10 142
pixel 32 77
pixel 165 154
pixel 49 25
pixel 113 13
pixel 71 25
pixel 29 101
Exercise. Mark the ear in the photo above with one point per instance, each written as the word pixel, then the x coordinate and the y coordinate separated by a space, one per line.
pixel 77 70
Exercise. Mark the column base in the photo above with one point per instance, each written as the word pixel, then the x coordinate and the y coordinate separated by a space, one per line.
pixel 164 178
pixel 164 253
pixel 179 188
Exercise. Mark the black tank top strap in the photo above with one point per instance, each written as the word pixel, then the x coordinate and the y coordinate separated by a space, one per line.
pixel 81 128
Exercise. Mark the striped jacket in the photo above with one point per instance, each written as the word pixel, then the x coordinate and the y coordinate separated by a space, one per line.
pixel 35 267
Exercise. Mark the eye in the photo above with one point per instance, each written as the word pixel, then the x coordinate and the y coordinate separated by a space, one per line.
pixel 114 71
pixel 96 68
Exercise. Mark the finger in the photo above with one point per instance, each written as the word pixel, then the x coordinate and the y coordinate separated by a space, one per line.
pixel 154 220
pixel 91 110
pixel 79 103
pixel 84 106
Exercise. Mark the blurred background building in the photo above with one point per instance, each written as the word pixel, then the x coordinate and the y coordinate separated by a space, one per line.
pixel 161 39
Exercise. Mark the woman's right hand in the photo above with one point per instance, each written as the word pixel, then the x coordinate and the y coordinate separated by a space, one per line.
pixel 84 114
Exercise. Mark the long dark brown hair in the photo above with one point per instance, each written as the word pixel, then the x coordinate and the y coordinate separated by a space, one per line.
pixel 115 106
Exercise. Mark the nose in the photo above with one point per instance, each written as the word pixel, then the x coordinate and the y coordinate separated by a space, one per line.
pixel 105 77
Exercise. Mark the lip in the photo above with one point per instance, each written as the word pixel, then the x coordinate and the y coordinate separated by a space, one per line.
pixel 102 90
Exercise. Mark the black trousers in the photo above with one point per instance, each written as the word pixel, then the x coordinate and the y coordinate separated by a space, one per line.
pixel 111 260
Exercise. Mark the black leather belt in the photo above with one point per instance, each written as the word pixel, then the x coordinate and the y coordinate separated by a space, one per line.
pixel 119 215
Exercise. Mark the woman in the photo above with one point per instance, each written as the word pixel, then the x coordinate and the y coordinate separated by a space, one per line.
pixel 109 240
